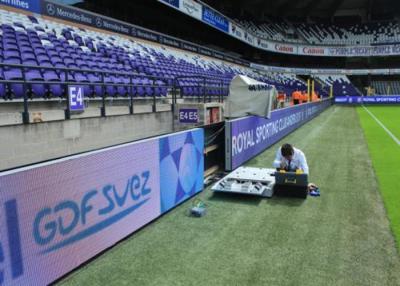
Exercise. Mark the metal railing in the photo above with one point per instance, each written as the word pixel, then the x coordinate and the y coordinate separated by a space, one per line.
pixel 205 81
pixel 171 85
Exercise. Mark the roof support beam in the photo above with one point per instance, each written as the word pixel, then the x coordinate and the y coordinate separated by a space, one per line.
pixel 283 7
pixel 335 6
pixel 369 9
pixel 309 7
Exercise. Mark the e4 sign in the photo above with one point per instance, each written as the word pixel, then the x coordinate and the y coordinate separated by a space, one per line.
pixel 76 98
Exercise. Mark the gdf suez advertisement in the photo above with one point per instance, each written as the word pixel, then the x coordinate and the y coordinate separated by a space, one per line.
pixel 56 215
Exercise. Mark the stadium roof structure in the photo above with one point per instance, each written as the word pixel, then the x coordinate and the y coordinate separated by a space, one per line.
pixel 319 8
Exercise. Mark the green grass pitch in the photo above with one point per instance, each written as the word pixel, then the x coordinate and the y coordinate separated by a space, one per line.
pixel 341 238
pixel 385 155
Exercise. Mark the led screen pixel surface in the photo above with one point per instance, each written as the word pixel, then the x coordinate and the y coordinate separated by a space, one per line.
pixel 55 216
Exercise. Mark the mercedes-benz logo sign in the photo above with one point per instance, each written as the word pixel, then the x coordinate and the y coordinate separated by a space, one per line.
pixel 51 10
pixel 99 22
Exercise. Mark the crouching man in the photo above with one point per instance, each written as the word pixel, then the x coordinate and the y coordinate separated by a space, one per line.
pixel 289 158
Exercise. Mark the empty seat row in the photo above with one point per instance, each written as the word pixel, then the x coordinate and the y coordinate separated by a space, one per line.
pixel 96 61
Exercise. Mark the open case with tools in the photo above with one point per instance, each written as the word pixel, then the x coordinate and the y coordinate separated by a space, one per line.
pixel 248 181
pixel 263 182
pixel 291 184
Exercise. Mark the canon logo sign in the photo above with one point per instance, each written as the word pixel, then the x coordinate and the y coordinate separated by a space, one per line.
pixel 283 48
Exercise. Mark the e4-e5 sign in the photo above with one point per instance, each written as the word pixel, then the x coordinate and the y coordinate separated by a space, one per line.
pixel 188 115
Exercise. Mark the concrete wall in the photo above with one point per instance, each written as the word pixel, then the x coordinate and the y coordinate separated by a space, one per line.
pixel 31 143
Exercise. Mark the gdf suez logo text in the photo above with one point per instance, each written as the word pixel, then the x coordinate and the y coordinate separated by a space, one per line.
pixel 13 258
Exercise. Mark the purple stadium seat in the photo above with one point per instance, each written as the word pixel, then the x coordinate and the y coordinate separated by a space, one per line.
pixel 28 56
pixel 110 89
pixel 56 89
pixel 2 86
pixel 37 90
pixel 15 90
pixel 97 90
pixel 82 78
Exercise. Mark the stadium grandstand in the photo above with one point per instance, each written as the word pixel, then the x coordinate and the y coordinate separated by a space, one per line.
pixel 370 33
pixel 140 141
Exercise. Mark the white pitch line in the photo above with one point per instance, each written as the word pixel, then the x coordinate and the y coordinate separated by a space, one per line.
pixel 383 126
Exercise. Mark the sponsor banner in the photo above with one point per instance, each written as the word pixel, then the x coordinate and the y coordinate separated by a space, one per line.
pixel 247 137
pixel 165 40
pixel 220 22
pixel 263 44
pixel 50 8
pixel 53 9
pixel 172 3
pixel 110 25
pixel 29 5
pixel 312 51
pixel 281 69
pixel 348 99
pixel 242 62
pixel 181 167
pixel 333 51
pixel 64 12
pixel 382 99
pixel 191 8
pixel 211 17
pixel 389 99
pixel 359 72
pixel 366 51
pixel 250 39
pixel 145 34
pixel 229 58
pixel 236 31
pixel 218 56
pixel 55 216
pixel 379 71
pixel 215 19
pixel 285 48
pixel 325 71
pixel 190 47
pixel 206 52
pixel 391 71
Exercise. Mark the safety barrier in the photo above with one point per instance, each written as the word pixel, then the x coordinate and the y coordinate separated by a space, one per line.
pixel 248 136
pixel 55 216
pixel 156 88
pixel 358 100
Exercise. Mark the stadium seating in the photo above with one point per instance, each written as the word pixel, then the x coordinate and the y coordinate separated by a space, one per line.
pixel 96 57
pixel 386 87
pixel 327 34
pixel 278 31
pixel 341 85
pixel 112 65
pixel 358 34
pixel 31 41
